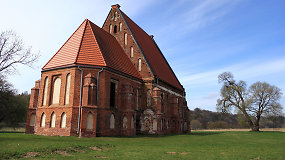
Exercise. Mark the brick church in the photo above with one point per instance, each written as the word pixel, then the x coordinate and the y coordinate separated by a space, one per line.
pixel 108 81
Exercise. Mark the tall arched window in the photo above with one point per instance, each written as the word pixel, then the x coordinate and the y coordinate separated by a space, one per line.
pixel 89 121
pixel 139 64
pixel 45 91
pixel 110 28
pixel 112 122
pixel 132 52
pixel 126 38
pixel 120 26
pixel 115 29
pixel 63 120
pixel 43 120
pixel 67 90
pixel 132 122
pixel 56 91
pixel 53 118
pixel 32 120
pixel 125 122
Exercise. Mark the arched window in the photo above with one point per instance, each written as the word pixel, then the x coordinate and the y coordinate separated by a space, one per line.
pixel 43 120
pixel 32 120
pixel 67 90
pixel 45 91
pixel 115 29
pixel 126 38
pixel 110 28
pixel 139 64
pixel 132 122
pixel 112 122
pixel 56 91
pixel 120 26
pixel 132 52
pixel 53 118
pixel 89 121
pixel 63 120
pixel 125 122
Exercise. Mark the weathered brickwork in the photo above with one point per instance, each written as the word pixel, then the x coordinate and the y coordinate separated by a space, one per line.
pixel 106 102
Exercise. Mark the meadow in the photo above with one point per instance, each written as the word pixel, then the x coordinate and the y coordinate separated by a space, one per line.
pixel 197 145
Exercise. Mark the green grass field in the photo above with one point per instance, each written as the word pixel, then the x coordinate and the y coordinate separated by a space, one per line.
pixel 198 145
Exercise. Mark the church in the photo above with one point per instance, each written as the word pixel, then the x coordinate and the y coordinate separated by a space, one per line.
pixel 109 81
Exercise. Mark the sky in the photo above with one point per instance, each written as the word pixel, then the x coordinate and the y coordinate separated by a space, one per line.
pixel 199 38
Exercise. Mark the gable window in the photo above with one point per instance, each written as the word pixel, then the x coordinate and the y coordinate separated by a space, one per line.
pixel 43 120
pixel 63 120
pixel 113 86
pixel 120 26
pixel 115 29
pixel 126 38
pixel 132 52
pixel 56 91
pixel 110 28
pixel 45 91
pixel 112 122
pixel 67 90
pixel 52 122
pixel 89 121
pixel 139 64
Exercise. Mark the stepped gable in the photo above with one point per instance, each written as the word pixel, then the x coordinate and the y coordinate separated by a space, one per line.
pixel 152 53
pixel 90 45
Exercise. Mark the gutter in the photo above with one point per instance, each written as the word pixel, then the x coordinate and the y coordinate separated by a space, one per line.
pixel 97 96
pixel 80 105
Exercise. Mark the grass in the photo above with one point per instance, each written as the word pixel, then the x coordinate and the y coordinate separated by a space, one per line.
pixel 198 145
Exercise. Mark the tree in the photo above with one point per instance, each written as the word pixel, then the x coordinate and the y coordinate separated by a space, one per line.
pixel 259 99
pixel 12 52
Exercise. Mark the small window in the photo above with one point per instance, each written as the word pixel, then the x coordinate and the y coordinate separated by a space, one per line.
pixel 56 91
pixel 115 29
pixel 32 120
pixel 120 26
pixel 89 121
pixel 63 120
pixel 67 90
pixel 53 118
pixel 126 38
pixel 45 91
pixel 43 120
pixel 139 64
pixel 110 28
pixel 112 122
pixel 132 52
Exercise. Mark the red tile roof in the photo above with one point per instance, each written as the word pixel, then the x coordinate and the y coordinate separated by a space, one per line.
pixel 91 45
pixel 152 53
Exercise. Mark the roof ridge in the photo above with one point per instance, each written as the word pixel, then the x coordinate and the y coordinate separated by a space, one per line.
pixel 81 40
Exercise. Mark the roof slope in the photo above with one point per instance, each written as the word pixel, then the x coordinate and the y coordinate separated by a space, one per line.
pixel 92 46
pixel 155 58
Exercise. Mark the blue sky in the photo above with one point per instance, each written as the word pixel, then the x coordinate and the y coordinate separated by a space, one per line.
pixel 199 38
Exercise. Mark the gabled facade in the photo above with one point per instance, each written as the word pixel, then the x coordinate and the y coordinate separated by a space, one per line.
pixel 108 81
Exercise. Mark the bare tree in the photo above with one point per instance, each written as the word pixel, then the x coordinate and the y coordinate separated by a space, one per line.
pixel 12 52
pixel 260 98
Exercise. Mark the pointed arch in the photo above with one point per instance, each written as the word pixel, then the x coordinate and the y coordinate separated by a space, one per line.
pixel 89 121
pixel 67 89
pixel 32 120
pixel 112 121
pixel 53 119
pixel 56 91
pixel 45 91
pixel 43 120
pixel 63 120
pixel 120 26
pixel 110 28
pixel 125 38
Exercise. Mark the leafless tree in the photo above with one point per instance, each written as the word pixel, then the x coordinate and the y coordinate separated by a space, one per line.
pixel 259 99
pixel 13 51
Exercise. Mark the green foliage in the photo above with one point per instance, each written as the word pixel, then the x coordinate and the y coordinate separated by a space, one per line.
pixel 196 124
pixel 198 145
